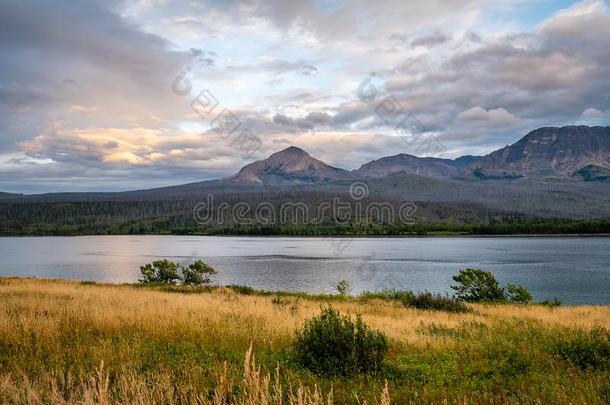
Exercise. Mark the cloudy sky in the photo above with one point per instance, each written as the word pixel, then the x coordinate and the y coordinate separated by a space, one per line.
pixel 124 94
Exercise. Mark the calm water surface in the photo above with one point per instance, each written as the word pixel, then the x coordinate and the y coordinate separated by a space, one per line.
pixel 575 270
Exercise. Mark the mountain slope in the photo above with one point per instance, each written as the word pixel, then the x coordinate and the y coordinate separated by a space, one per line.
pixel 548 152
pixel 427 166
pixel 3 194
pixel 289 166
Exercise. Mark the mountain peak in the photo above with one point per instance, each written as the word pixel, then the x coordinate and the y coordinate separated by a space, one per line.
pixel 291 152
pixel 293 149
pixel 289 166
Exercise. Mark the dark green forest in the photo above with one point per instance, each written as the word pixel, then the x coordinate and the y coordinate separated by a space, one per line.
pixel 176 217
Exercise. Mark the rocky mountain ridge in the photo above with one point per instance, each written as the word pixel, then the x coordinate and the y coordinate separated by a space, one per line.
pixel 575 152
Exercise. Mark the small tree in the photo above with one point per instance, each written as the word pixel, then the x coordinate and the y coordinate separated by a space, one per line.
pixel 197 273
pixel 343 287
pixel 160 271
pixel 476 285
pixel 517 293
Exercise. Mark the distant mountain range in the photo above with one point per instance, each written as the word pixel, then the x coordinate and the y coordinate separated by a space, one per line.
pixel 551 174
pixel 570 152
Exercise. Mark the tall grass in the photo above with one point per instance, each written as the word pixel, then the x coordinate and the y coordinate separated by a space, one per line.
pixel 64 342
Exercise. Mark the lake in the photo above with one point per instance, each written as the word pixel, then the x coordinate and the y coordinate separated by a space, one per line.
pixel 575 270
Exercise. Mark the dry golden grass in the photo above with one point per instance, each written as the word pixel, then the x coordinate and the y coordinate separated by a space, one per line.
pixel 107 323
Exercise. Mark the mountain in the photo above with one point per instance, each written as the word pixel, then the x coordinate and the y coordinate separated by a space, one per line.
pixel 547 153
pixel 443 191
pixel 566 154
pixel 289 166
pixel 427 167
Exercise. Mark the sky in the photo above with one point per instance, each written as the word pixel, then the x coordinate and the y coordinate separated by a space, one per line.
pixel 130 94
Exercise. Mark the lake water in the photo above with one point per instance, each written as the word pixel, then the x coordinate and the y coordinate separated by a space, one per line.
pixel 575 270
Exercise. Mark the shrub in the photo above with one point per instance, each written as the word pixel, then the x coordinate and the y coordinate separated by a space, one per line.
pixel 511 362
pixel 389 295
pixel 242 289
pixel 160 271
pixel 475 285
pixel 585 349
pixel 166 272
pixel 332 344
pixel 422 300
pixel 343 287
pixel 518 294
pixel 197 273
pixel 437 302
pixel 552 303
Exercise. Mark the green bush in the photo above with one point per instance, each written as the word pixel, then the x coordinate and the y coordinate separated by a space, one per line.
pixel 518 294
pixel 160 271
pixel 476 285
pixel 343 287
pixel 436 302
pixel 197 273
pixel 585 349
pixel 332 344
pixel 168 273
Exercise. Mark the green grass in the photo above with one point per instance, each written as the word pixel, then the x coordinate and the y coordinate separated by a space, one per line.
pixel 174 343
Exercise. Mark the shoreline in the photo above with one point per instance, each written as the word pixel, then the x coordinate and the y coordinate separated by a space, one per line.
pixel 338 236
pixel 248 290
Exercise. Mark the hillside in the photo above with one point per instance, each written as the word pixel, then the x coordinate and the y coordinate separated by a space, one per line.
pixel 549 152
pixel 426 167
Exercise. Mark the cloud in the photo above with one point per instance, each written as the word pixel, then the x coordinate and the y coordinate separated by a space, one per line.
pixel 208 58
pixel 85 90
pixel 431 40
pixel 81 58
pixel 594 113
pixel 312 120
pixel 498 117
pixel 594 116
pixel 278 67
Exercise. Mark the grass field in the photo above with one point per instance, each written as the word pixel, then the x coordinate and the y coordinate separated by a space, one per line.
pixel 70 342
